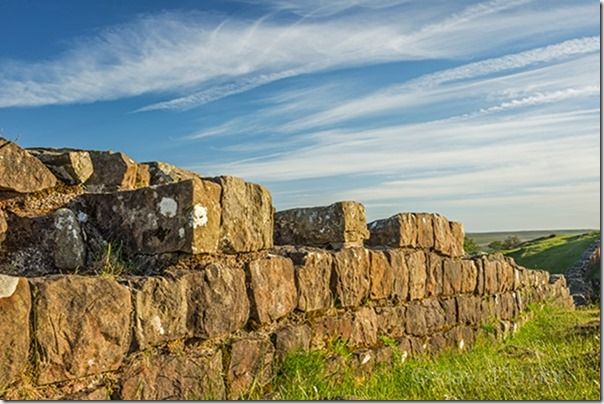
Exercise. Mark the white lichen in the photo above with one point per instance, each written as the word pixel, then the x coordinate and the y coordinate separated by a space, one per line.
pixel 199 216
pixel 156 323
pixel 168 207
pixel 82 217
pixel 8 285
pixel 181 232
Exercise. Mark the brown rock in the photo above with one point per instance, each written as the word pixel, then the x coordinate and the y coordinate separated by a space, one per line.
pixel 434 275
pixel 69 165
pixel 434 314
pixel 217 300
pixel 21 172
pixel 416 319
pixel 400 273
pixel 292 338
pixel 143 176
pixel 364 328
pixel 416 262
pixel 449 307
pixel 351 268
pixel 184 376
pixel 391 321
pixel 490 276
pixel 330 327
pixel 341 224
pixel 425 230
pixel 179 217
pixel 111 172
pixel 442 235
pixel 15 305
pixel 479 276
pixel 69 252
pixel 313 270
pixel 3 226
pixel 250 364
pixel 160 310
pixel 452 276
pixel 247 216
pixel 469 309
pixel 82 326
pixel 273 290
pixel 505 276
pixel 469 276
pixel 381 276
pixel 396 231
pixel 161 173
pixel 457 234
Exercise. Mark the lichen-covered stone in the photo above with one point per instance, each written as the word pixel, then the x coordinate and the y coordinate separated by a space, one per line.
pixel 181 376
pixel 273 290
pixel 452 276
pixel 313 268
pixel 381 276
pixel 351 269
pixel 69 250
pixel 250 364
pixel 416 262
pixel 247 216
pixel 341 224
pixel 15 305
pixel 180 217
pixel 82 326
pixel 399 230
pixel 69 165
pixel 160 310
pixel 217 302
pixel 292 338
pixel 21 172
pixel 161 173
pixel 111 172
pixel 400 274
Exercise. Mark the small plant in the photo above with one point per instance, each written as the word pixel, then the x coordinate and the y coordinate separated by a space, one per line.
pixel 112 262
pixel 339 347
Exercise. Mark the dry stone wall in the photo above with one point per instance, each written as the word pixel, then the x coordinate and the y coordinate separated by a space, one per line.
pixel 204 305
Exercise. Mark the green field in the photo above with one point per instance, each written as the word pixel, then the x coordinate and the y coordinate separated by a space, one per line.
pixel 555 356
pixel 483 239
pixel 554 254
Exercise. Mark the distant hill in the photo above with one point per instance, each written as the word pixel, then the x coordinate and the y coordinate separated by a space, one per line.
pixel 483 239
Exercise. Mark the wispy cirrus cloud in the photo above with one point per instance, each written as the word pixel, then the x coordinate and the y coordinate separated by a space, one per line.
pixel 194 59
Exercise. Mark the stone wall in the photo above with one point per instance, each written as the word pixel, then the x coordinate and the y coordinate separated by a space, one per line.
pixel 210 288
pixel 580 284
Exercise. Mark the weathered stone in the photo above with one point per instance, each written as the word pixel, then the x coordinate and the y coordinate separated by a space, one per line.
pixel 292 338
pixel 449 307
pixel 313 275
pixel 434 275
pixel 183 376
pixel 425 230
pixel 469 309
pixel 69 165
pixel 143 176
pixel 452 276
pixel 490 276
pixel 69 251
pixel 505 276
pixel 217 302
pixel 390 321
pixel 21 172
pixel 330 327
pixel 3 226
pixel 469 275
pixel 160 311
pixel 479 277
pixel 250 364
pixel 437 343
pixel 111 172
pixel 364 328
pixel 341 224
pixel 381 276
pixel 82 326
pixel 457 239
pixel 399 230
pixel 15 305
pixel 247 216
pixel 416 262
pixel 161 173
pixel 180 217
pixel 416 319
pixel 442 235
pixel 507 306
pixel 351 269
pixel 434 314
pixel 273 290
pixel 400 273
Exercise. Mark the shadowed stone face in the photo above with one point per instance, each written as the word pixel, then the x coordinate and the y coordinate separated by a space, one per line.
pixel 70 166
pixel 111 172
pixel 21 172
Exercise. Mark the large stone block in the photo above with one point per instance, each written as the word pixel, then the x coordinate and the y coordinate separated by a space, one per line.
pixel 452 276
pixel 400 274
pixel 416 262
pixel 469 276
pixel 381 276
pixel 469 309
pixel 250 364
pixel 160 310
pixel 69 165
pixel 341 224
pixel 391 321
pixel 180 376
pixel 449 307
pixel 82 326
pixel 161 173
pixel 111 172
pixel 505 276
pixel 21 172
pixel 490 276
pixel 69 252
pixel 247 216
pixel 424 317
pixel 425 230
pixel 217 302
pixel 364 328
pixel 351 269
pixel 434 275
pixel 15 305
pixel 458 235
pixel 399 230
pixel 273 290
pixel 180 217
pixel 292 338
pixel 313 268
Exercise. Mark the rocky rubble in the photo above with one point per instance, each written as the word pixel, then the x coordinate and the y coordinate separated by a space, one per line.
pixel 145 281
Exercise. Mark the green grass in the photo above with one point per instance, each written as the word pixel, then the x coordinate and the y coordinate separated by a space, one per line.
pixel 483 239
pixel 555 254
pixel 555 356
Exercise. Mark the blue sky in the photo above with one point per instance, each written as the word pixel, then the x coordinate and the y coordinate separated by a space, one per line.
pixel 484 111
